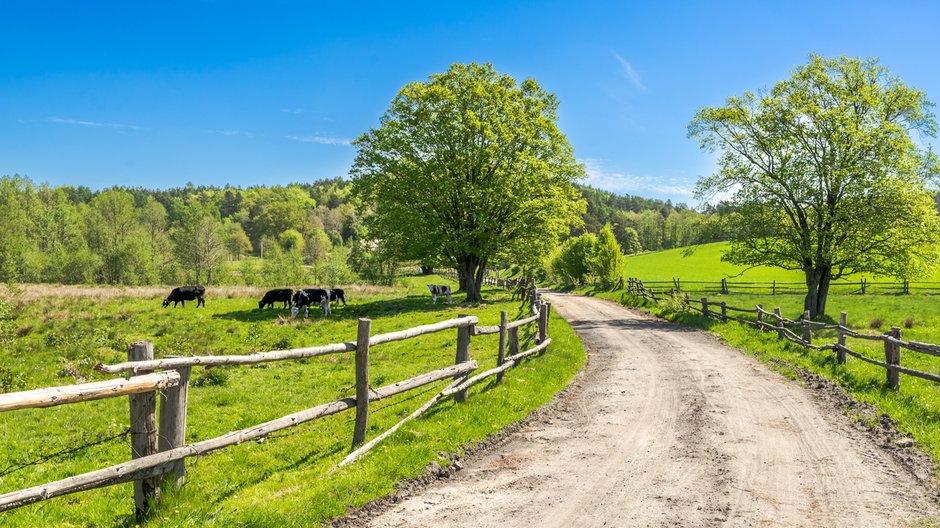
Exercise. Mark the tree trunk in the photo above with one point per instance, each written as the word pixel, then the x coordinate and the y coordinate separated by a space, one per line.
pixel 470 274
pixel 817 290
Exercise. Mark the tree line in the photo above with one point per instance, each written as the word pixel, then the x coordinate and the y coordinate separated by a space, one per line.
pixel 298 233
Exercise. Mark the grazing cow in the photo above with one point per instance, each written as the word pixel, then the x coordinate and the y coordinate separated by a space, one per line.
pixel 186 293
pixel 282 295
pixel 336 295
pixel 439 290
pixel 311 296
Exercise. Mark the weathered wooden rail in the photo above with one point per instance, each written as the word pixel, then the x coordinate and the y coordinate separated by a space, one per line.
pixel 158 448
pixel 892 339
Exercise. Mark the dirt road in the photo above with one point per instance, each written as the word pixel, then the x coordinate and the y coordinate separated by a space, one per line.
pixel 668 427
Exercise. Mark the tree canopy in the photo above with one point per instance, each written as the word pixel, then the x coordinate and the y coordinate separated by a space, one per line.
pixel 466 168
pixel 823 174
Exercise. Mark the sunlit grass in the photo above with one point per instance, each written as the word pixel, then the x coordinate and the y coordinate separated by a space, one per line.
pixel 284 480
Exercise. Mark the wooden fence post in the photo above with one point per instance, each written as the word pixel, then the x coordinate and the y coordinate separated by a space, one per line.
pixel 893 357
pixel 724 286
pixel 543 322
pixel 362 381
pixel 705 306
pixel 864 285
pixel 463 353
pixel 512 336
pixel 501 354
pixel 172 424
pixel 779 325
pixel 807 330
pixel 907 287
pixel 143 414
pixel 840 347
pixel 724 311
pixel 760 317
pixel 548 317
pixel 774 290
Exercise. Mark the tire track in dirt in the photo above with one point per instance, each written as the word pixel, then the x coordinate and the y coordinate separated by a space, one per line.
pixel 668 427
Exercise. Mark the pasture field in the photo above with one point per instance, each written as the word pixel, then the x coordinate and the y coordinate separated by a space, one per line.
pixel 916 407
pixel 284 480
pixel 703 263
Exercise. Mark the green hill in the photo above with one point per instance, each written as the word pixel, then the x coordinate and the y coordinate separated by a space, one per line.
pixel 703 263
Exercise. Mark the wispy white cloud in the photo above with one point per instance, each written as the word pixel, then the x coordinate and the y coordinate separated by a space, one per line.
pixel 96 124
pixel 323 140
pixel 629 72
pixel 600 177
pixel 230 133
pixel 291 110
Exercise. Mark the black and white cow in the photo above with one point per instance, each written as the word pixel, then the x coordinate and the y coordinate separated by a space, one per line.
pixel 281 295
pixel 310 297
pixel 336 295
pixel 439 290
pixel 186 293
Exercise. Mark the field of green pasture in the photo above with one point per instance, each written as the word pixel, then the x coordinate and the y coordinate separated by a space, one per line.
pixel 916 407
pixel 284 480
pixel 703 263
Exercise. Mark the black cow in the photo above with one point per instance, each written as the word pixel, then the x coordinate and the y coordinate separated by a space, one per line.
pixel 186 293
pixel 439 290
pixel 309 297
pixel 336 295
pixel 282 295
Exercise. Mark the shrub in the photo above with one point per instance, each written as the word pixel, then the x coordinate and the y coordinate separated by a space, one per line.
pixel 211 377
pixel 877 322
pixel 607 264
pixel 909 322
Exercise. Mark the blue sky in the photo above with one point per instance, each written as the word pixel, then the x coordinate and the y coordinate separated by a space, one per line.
pixel 158 94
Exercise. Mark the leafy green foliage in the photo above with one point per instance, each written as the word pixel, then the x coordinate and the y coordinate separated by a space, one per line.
pixel 141 236
pixel 824 176
pixel 572 262
pixel 607 261
pixel 468 168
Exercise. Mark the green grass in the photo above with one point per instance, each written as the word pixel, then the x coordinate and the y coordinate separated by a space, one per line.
pixel 916 407
pixel 703 263
pixel 285 480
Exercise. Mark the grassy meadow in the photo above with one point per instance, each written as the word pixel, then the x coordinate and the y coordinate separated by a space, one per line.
pixel 284 480
pixel 703 263
pixel 916 407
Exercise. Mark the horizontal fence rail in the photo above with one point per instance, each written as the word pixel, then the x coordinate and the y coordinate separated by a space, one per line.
pixel 158 452
pixel 891 339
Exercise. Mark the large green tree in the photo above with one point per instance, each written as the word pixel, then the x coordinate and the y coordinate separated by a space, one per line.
pixel 468 167
pixel 823 174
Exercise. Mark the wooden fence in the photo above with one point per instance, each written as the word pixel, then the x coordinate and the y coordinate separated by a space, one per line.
pixel 508 284
pixel 153 460
pixel 892 339
pixel 726 287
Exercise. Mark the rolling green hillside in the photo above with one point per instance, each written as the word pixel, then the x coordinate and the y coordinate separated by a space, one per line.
pixel 703 263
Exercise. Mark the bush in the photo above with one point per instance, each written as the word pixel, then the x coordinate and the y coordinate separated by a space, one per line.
pixel 876 323
pixel 571 263
pixel 909 322
pixel 608 259
pixel 211 377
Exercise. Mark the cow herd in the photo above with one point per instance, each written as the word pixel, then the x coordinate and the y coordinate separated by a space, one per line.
pixel 297 300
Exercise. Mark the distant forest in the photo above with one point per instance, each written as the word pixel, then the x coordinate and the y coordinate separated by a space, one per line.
pixel 658 224
pixel 264 235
